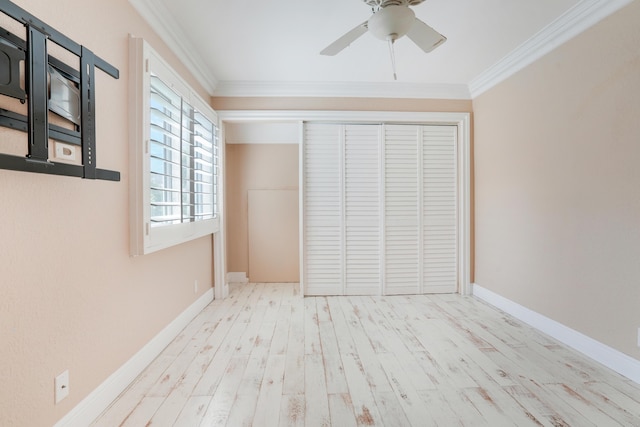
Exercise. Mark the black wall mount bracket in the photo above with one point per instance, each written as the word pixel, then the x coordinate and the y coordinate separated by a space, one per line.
pixel 49 85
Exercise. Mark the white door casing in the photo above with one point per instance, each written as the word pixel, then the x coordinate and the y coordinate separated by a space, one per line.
pixel 460 120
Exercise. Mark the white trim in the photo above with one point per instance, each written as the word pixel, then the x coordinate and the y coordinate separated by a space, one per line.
pixel 464 212
pixel 343 116
pixel 221 286
pixel 99 399
pixel 461 120
pixel 301 191
pixel 342 89
pixel 609 357
pixel 160 19
pixel 580 17
pixel 237 277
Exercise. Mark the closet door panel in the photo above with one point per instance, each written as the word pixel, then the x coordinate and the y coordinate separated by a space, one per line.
pixel 322 198
pixel 380 209
pixel 439 209
pixel 401 210
pixel 362 209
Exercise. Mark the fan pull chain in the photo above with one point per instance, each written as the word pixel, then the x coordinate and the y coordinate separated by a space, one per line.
pixel 393 58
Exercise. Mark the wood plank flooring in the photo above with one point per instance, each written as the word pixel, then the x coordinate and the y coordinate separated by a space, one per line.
pixel 268 357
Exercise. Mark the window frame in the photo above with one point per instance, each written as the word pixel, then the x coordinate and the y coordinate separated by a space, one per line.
pixel 145 238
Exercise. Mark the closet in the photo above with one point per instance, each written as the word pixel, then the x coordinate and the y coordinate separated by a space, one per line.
pixel 379 209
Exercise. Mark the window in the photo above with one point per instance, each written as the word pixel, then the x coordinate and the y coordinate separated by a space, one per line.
pixel 183 158
pixel 174 152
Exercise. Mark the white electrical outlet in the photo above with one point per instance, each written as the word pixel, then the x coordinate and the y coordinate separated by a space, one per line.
pixel 195 287
pixel 61 384
pixel 65 152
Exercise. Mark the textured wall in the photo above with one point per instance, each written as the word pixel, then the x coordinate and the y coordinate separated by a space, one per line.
pixel 557 184
pixel 71 297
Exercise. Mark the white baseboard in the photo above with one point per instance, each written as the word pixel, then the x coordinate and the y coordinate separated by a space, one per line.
pixel 100 398
pixel 237 277
pixel 602 353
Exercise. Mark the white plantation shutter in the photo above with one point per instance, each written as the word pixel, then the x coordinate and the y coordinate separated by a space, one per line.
pixel 164 153
pixel 199 164
pixel 401 203
pixel 362 209
pixel 182 159
pixel 174 157
pixel 439 201
pixel 322 207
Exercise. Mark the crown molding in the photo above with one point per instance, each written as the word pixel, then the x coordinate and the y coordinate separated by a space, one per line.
pixel 573 22
pixel 341 89
pixel 163 23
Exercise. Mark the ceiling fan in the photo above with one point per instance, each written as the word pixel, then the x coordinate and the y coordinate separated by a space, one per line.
pixel 391 20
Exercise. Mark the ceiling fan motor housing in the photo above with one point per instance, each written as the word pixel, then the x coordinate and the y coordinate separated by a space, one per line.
pixel 384 3
pixel 391 22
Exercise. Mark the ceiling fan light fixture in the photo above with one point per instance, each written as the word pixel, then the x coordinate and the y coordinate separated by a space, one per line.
pixel 391 22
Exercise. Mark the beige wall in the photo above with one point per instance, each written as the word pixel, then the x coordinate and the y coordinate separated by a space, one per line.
pixel 71 297
pixel 557 179
pixel 274 236
pixel 345 104
pixel 254 167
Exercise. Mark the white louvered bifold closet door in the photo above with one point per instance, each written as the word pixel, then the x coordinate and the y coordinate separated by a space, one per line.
pixel 362 209
pixel 322 207
pixel 439 209
pixel 379 209
pixel 401 210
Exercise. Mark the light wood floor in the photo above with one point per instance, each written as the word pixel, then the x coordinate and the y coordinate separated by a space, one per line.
pixel 267 357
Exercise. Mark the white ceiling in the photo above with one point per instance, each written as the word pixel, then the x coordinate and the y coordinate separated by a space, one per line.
pixel 250 47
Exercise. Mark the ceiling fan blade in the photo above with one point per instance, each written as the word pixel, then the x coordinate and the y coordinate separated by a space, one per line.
pixel 345 40
pixel 424 36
